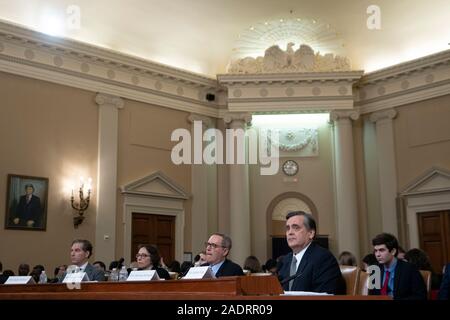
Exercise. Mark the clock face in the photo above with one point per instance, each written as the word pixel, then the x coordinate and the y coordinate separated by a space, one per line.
pixel 290 168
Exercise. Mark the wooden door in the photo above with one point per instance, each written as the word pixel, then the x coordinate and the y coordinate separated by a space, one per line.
pixel 158 230
pixel 434 236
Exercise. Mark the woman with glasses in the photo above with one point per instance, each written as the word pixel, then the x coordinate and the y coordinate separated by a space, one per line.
pixel 148 258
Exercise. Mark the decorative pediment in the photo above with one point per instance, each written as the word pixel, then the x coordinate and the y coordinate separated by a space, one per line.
pixel 156 185
pixel 434 180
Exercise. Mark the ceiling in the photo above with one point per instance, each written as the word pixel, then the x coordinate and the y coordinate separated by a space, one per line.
pixel 203 35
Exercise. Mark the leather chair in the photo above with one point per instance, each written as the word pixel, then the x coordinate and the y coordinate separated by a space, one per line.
pixel 351 277
pixel 426 275
pixel 363 285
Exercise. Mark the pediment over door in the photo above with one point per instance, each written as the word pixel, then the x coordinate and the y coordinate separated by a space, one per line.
pixel 155 185
pixel 434 180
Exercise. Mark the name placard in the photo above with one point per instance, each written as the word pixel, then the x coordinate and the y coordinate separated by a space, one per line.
pixel 199 273
pixel 20 280
pixel 76 277
pixel 143 275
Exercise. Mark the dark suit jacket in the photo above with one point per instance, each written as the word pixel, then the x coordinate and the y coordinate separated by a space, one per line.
pixel 30 211
pixel 3 278
pixel 228 269
pixel 318 272
pixel 445 285
pixel 408 283
pixel 92 272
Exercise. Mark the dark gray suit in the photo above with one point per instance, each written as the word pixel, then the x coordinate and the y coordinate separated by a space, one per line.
pixel 93 274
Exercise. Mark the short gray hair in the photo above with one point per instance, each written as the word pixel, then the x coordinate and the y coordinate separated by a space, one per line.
pixel 308 221
pixel 226 240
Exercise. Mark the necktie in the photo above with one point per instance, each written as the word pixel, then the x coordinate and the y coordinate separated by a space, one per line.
pixel 292 271
pixel 384 289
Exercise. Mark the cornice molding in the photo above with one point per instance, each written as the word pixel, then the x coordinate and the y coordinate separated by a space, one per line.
pixel 63 61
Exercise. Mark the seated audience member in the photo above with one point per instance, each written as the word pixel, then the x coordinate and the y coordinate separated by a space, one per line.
pixel 217 249
pixel 80 252
pixel 8 273
pixel 421 261
pixel 3 278
pixel 200 259
pixel 175 266
pixel 309 266
pixel 347 258
pixel 270 267
pixel 24 269
pixel 445 284
pixel 148 258
pixel 401 253
pixel 369 260
pixel 399 279
pixel 58 273
pixel 252 264
pixel 100 265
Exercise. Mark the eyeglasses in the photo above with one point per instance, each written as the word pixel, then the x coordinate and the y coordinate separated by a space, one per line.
pixel 142 255
pixel 213 245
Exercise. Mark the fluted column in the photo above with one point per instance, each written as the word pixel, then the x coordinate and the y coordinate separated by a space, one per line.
pixel 386 168
pixel 105 231
pixel 345 189
pixel 199 190
pixel 239 194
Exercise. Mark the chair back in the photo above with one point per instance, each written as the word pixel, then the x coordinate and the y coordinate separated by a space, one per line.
pixel 351 277
pixel 426 275
pixel 363 285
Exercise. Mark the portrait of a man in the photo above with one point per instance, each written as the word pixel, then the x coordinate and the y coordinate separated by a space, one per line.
pixel 26 206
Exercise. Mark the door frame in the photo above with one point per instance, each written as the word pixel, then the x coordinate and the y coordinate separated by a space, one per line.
pixel 152 205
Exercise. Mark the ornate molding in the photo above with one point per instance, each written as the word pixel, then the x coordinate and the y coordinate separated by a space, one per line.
pixel 108 99
pixel 383 115
pixel 67 62
pixel 207 122
pixel 244 117
pixel 301 60
pixel 340 115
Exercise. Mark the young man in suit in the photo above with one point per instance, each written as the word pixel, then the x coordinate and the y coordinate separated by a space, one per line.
pixel 217 249
pixel 80 252
pixel 29 209
pixel 399 279
pixel 309 266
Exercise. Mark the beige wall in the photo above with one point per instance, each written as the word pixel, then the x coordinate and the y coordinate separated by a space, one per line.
pixel 315 181
pixel 422 138
pixel 145 147
pixel 46 130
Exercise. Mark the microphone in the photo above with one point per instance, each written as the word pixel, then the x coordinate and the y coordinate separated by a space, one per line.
pixel 294 276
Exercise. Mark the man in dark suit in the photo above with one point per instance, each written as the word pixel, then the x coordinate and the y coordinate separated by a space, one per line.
pixel 445 285
pixel 314 268
pixel 80 252
pixel 398 279
pixel 217 249
pixel 28 212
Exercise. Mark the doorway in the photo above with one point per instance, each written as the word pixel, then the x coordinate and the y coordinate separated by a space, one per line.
pixel 434 237
pixel 158 230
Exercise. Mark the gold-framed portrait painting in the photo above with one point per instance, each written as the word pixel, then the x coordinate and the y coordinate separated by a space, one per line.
pixel 26 203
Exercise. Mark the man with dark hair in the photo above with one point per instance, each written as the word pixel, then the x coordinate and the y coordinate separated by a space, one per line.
pixel 217 249
pixel 399 279
pixel 28 212
pixel 80 252
pixel 308 267
pixel 24 269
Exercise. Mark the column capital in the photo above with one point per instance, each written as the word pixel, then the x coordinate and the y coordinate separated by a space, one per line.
pixel 383 115
pixel 207 122
pixel 230 117
pixel 108 99
pixel 344 114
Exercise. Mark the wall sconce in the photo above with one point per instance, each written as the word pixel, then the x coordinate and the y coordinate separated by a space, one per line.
pixel 83 203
